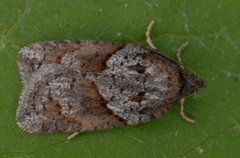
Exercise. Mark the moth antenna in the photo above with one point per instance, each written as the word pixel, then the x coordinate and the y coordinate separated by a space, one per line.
pixel 183 114
pixel 148 35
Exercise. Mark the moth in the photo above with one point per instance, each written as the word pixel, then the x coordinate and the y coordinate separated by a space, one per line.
pixel 86 85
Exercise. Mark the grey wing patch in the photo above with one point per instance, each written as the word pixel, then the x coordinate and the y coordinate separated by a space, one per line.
pixel 45 100
pixel 34 56
pixel 137 84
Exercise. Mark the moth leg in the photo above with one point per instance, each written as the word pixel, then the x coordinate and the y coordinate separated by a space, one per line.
pixel 72 135
pixel 148 35
pixel 183 114
pixel 179 54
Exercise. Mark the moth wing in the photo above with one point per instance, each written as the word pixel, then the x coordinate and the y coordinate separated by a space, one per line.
pixel 78 55
pixel 60 99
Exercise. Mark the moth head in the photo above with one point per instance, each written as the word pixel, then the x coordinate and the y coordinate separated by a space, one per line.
pixel 192 83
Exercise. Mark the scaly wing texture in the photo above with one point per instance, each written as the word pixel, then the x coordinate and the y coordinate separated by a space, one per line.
pixel 56 96
pixel 139 84
pixel 89 85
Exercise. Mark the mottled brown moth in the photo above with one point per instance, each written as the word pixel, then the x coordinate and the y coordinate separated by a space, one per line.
pixel 86 85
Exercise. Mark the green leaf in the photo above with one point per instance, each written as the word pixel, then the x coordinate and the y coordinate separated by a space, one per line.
pixel 211 28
